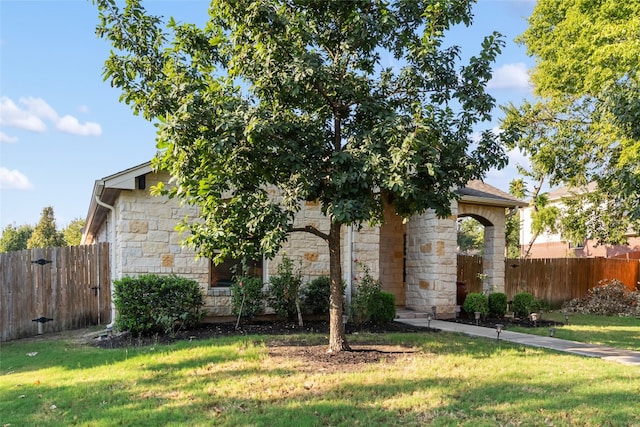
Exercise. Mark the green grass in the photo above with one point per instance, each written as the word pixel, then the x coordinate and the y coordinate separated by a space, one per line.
pixel 451 380
pixel 612 331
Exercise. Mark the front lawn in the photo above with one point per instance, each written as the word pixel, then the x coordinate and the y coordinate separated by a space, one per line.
pixel 612 331
pixel 429 379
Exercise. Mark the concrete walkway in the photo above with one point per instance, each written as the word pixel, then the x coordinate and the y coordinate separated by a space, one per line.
pixel 626 357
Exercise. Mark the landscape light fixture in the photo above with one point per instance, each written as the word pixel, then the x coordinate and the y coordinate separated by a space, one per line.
pixel 477 314
pixel 499 329
pixel 534 319
pixel 552 332
pixel 566 317
pixel 429 317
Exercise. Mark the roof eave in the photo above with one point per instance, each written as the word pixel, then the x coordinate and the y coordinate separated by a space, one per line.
pixel 486 201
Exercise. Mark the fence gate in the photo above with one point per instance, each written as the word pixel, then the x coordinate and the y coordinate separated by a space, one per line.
pixel 53 289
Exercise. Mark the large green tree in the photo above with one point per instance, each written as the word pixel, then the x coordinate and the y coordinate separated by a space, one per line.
pixel 73 232
pixel 584 125
pixel 15 238
pixel 354 104
pixel 45 234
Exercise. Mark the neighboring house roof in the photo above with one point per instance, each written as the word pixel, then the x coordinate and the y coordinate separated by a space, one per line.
pixel 107 189
pixel 562 192
pixel 481 193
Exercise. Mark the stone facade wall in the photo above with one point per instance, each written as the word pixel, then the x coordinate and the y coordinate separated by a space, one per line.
pixel 146 242
pixel 310 253
pixel 431 267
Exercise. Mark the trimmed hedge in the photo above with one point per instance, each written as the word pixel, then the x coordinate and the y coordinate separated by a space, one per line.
pixel 523 304
pixel 476 301
pixel 382 307
pixel 497 304
pixel 153 303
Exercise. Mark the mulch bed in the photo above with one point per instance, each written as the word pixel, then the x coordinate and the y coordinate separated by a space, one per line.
pixel 312 358
pixel 259 327
pixel 506 322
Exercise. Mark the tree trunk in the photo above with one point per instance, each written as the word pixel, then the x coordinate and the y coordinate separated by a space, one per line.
pixel 337 339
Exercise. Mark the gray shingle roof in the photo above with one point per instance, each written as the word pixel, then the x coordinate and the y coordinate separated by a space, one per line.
pixel 477 191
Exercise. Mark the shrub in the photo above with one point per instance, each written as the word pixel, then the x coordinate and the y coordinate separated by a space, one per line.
pixel 382 307
pixel 246 297
pixel 283 292
pixel 497 304
pixel 315 295
pixel 476 301
pixel 152 303
pixel 609 298
pixel 366 288
pixel 523 304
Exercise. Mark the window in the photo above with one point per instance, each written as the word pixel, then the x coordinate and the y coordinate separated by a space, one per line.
pixel 578 245
pixel 222 274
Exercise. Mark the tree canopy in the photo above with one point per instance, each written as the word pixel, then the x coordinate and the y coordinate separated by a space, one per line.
pixel 15 238
pixel 72 233
pixel 584 125
pixel 45 233
pixel 354 104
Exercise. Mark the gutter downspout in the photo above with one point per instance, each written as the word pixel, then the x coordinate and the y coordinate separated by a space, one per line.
pixel 113 256
pixel 349 270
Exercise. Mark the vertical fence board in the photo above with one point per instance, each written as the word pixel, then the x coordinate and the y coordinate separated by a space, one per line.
pixel 60 290
pixel 561 279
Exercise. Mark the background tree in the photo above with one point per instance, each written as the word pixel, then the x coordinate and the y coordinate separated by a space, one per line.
pixel 295 95
pixel 15 238
pixel 470 237
pixel 45 233
pixel 73 232
pixel 584 125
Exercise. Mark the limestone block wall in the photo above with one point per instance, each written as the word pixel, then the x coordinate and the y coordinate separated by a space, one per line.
pixel 147 243
pixel 431 263
pixel 310 253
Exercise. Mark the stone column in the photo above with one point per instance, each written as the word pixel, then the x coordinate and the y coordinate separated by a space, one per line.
pixel 493 259
pixel 431 264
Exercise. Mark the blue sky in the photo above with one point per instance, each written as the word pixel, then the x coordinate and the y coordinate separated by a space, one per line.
pixel 62 127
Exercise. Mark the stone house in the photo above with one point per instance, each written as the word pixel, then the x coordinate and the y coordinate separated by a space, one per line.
pixel 555 245
pixel 414 260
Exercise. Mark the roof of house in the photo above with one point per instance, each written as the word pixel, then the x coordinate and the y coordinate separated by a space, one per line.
pixel 105 193
pixel 562 192
pixel 482 193
pixel 107 189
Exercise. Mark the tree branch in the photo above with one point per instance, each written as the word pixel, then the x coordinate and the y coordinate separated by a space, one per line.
pixel 312 230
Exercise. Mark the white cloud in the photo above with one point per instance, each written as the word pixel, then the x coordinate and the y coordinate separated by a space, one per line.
pixel 13 180
pixel 70 124
pixel 510 76
pixel 39 108
pixel 7 138
pixel 12 116
pixel 36 111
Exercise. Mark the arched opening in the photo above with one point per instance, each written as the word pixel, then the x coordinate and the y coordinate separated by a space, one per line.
pixel 483 272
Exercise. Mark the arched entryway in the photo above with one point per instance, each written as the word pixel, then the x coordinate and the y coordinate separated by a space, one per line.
pixel 493 220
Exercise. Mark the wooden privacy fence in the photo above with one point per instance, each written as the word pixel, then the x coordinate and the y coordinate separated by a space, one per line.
pixel 554 280
pixel 70 285
pixel 562 279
